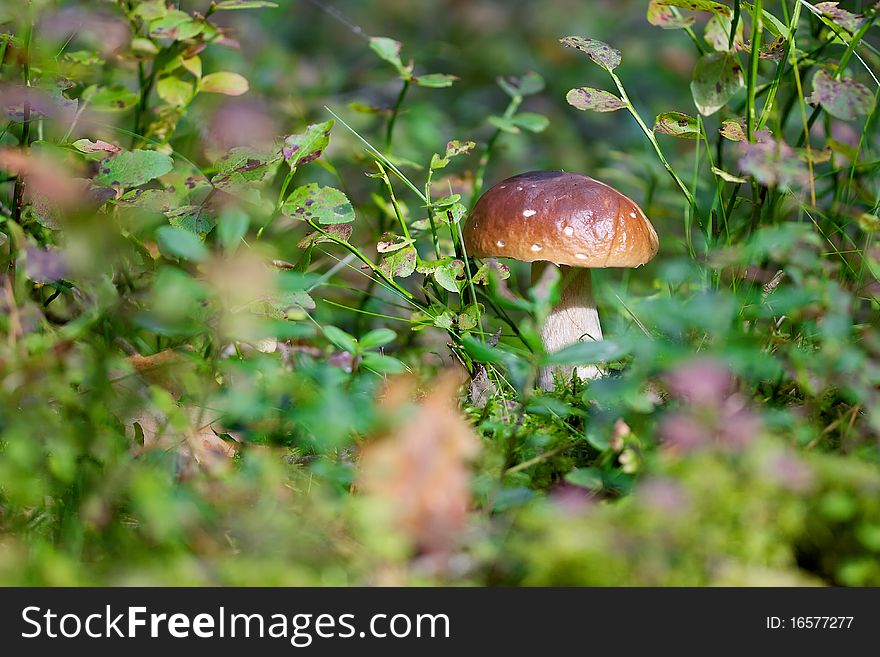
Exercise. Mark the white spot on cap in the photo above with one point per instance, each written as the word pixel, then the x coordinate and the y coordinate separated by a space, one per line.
pixel 519 189
pixel 580 256
pixel 632 214
pixel 529 213
pixel 501 243
pixel 502 187
pixel 568 230
pixel 536 247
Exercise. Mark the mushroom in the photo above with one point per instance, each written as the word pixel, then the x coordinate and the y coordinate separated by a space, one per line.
pixel 556 218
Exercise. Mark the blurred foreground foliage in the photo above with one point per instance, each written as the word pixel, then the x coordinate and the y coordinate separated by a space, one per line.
pixel 227 356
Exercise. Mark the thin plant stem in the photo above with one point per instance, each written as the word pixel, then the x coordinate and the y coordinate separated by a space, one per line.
pixel 389 130
pixel 757 37
pixel 651 138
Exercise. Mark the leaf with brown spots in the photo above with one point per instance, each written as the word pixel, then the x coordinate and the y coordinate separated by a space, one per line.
pixel 717 33
pixel 676 124
pixel 664 17
pixel 844 99
pixel 342 232
pixel 735 130
pixel 600 52
pixel 133 168
pixel 697 5
pixel 390 243
pixel 454 148
pixel 98 146
pixel 400 263
pixel 324 205
pixel 308 146
pixel 245 164
pixel 717 77
pixel 597 100
pixel 448 272
pixel 193 218
pixel 775 50
pixel 485 272
pixel 845 19
pixel 773 163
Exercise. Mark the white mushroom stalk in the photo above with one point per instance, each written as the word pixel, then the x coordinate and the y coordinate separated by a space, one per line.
pixel 579 223
pixel 574 319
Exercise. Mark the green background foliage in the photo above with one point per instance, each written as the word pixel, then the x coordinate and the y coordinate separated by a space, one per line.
pixel 233 283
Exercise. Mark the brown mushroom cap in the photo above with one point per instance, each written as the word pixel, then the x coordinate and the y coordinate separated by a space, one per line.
pixel 564 218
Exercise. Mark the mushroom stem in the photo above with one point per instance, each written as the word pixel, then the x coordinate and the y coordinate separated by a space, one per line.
pixel 572 320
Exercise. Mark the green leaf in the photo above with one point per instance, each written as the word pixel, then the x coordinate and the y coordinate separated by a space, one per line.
pixel 733 130
pixel 193 218
pixel 774 26
pixel 114 98
pixel 377 338
pixel 307 146
pixel 590 478
pixel 435 80
pixel 469 317
pixel 229 84
pixel 452 214
pixel 133 168
pixel 99 147
pixel 845 99
pixel 174 91
pixel 454 148
pixel 497 355
pixel 389 50
pixel 600 52
pixel 175 25
pixel 390 243
pixel 228 5
pixel 150 9
pixel 774 50
pixel 717 77
pixel 697 5
pixel 845 19
pixel 527 85
pixel 287 305
pixel 586 353
pixel 485 272
pixel 245 164
pixel 677 124
pixel 666 18
pixel 341 232
pixel 717 33
pixel 400 263
pixel 446 271
pixel 326 205
pixel 341 339
pixel 180 243
pixel 446 278
pixel 773 163
pixel 232 226
pixel 597 100
pixel 446 201
pixel 531 121
pixel 382 364
pixel 444 319
pixel 728 177
pixel 505 124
